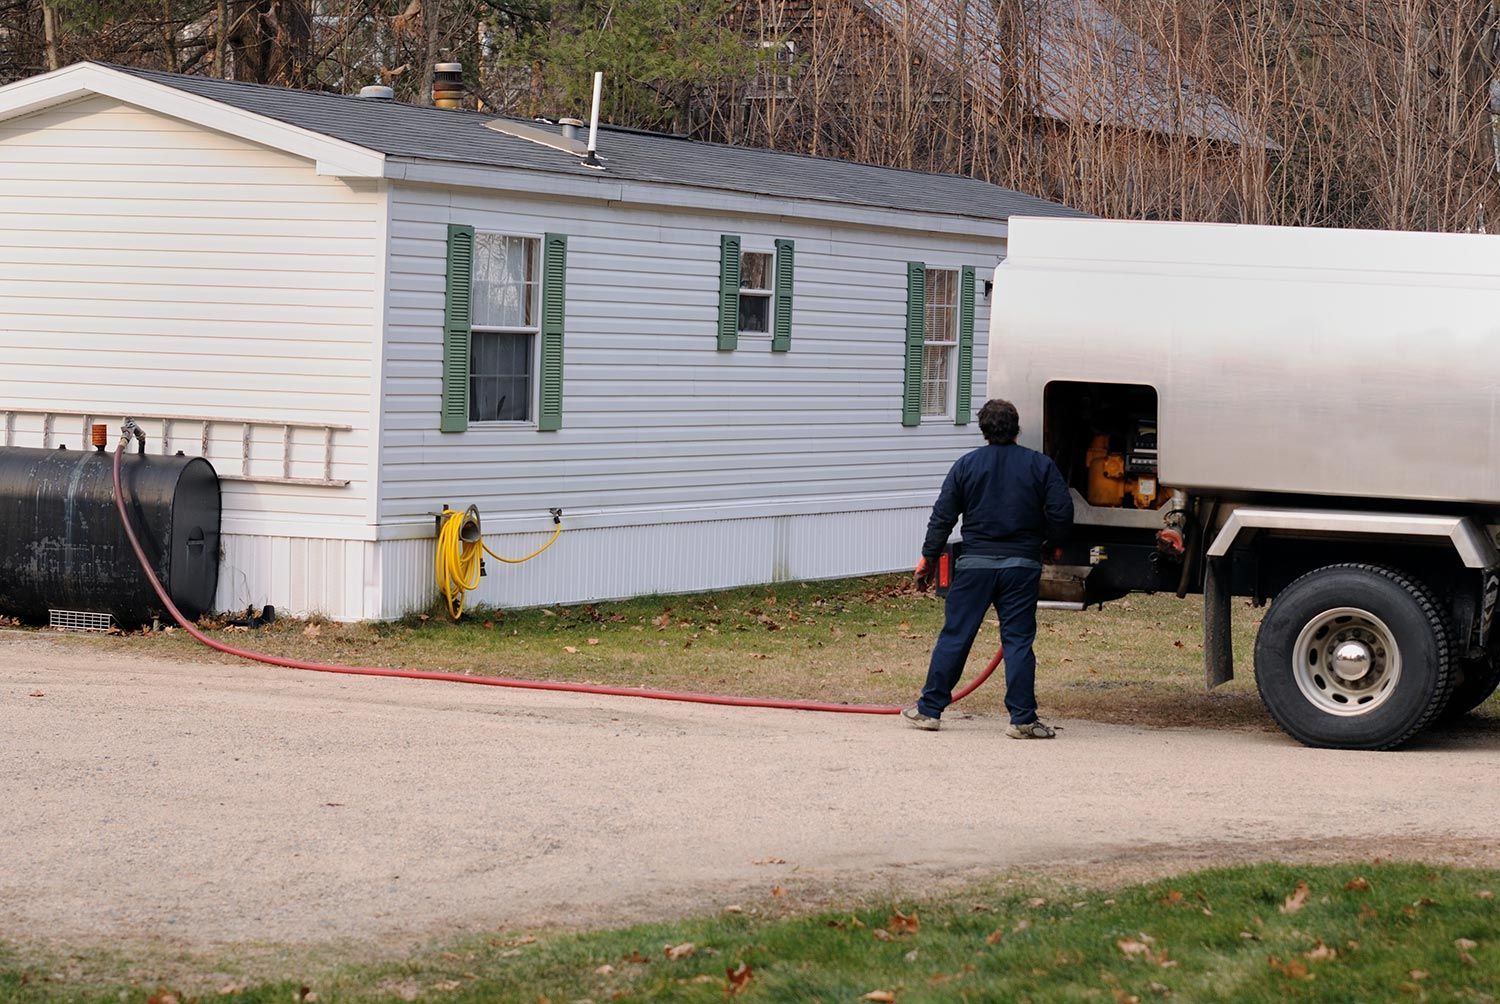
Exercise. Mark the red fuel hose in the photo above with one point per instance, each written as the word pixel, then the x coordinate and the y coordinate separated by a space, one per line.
pixel 488 681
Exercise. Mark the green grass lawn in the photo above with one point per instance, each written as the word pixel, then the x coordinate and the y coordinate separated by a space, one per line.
pixel 1350 933
pixel 857 640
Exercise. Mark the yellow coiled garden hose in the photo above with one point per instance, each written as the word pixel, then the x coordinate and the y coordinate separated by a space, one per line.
pixel 461 550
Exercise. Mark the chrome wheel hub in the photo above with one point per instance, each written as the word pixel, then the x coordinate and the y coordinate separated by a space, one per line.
pixel 1351 660
pixel 1346 662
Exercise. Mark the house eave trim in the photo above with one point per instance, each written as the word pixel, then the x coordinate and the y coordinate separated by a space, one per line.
pixel 662 195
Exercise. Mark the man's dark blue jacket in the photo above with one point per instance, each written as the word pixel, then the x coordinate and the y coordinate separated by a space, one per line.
pixel 1011 498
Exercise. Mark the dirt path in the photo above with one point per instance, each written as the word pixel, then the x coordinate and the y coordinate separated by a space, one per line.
pixel 208 804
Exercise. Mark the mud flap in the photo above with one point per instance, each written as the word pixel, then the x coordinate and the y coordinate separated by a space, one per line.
pixel 1218 644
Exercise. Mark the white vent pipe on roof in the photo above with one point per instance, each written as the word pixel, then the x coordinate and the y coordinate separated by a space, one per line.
pixel 591 159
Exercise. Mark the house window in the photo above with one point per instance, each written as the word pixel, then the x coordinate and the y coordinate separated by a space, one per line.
pixel 756 275
pixel 940 342
pixel 506 292
pixel 773 77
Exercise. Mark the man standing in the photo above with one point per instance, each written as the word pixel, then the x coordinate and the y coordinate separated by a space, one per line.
pixel 1012 500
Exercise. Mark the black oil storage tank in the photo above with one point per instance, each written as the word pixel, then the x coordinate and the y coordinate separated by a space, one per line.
pixel 62 546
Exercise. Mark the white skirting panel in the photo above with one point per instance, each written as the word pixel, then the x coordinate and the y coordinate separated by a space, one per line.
pixel 619 562
pixel 351 580
pixel 300 576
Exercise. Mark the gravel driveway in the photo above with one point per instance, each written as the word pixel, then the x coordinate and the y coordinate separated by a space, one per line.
pixel 209 804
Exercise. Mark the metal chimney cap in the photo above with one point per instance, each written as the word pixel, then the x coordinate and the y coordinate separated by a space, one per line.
pixel 377 92
pixel 575 123
pixel 448 67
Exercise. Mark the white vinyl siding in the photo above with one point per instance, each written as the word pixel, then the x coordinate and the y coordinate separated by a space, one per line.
pixel 661 427
pixel 149 266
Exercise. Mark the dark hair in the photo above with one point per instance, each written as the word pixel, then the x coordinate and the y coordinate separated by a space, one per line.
pixel 999 422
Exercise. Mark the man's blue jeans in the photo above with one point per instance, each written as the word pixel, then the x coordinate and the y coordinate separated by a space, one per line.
pixel 1013 593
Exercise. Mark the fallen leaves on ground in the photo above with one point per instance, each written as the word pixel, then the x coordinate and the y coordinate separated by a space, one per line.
pixel 1140 947
pixel 36 693
pixel 1465 946
pixel 164 996
pixel 1297 900
pixel 739 978
pixel 682 951
pixel 778 891
pixel 769 861
pixel 1292 969
pixel 880 997
pixel 994 937
pixel 605 970
pixel 881 934
pixel 1321 953
pixel 1357 884
pixel 901 923
pixel 570 649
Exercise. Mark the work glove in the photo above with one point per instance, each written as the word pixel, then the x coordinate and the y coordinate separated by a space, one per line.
pixel 925 575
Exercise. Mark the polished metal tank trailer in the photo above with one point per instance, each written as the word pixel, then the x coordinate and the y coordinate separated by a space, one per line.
pixel 1309 418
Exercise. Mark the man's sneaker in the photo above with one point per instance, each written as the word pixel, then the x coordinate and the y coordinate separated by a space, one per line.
pixel 917 720
pixel 1031 730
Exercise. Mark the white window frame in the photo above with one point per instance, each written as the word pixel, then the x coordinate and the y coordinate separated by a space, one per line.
pixel 950 343
pixel 768 294
pixel 534 330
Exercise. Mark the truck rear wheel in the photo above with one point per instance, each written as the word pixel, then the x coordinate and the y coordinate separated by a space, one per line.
pixel 1354 657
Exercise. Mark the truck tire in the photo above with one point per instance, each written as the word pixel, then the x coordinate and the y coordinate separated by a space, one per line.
pixel 1477 680
pixel 1354 657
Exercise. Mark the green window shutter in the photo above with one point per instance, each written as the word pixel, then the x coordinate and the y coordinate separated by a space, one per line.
pixel 916 320
pixel 781 337
pixel 965 347
pixel 455 414
pixel 729 293
pixel 554 296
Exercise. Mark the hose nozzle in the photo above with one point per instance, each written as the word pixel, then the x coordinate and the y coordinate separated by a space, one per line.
pixel 130 429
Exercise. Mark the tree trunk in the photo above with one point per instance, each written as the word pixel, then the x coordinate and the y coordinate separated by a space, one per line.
pixel 49 32
pixel 221 42
pixel 169 37
pixel 430 18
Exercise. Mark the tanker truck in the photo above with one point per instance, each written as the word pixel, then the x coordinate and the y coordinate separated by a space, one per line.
pixel 1304 418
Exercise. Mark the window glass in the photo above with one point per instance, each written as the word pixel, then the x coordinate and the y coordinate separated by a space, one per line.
pixel 502 345
pixel 755 271
pixel 506 283
pixel 940 349
pixel 500 377
pixel 755 292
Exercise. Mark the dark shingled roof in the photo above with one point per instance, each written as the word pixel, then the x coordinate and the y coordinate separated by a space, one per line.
pixel 412 131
